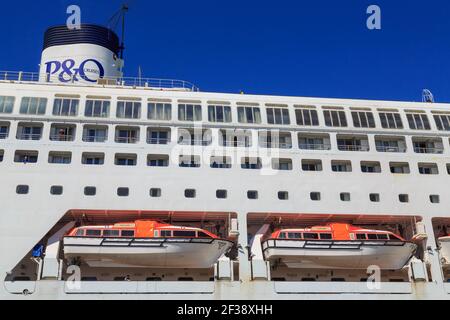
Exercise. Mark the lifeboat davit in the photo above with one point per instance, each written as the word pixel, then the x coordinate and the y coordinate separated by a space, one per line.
pixel 144 243
pixel 444 245
pixel 337 246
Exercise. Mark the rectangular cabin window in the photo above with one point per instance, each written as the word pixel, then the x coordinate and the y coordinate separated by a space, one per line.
pixel 428 168
pixel 363 119
pixel 221 162
pixel 159 111
pixel 4 130
pixel 281 164
pixel 418 121
pixel 93 233
pixel 394 237
pixel 32 131
pixel 60 157
pixel 166 233
pixel 382 236
pixel 218 113
pixel 399 167
pixel 341 166
pixel 65 107
pixel 125 159
pixel 127 135
pixel 201 234
pixel 2 153
pixel 111 233
pixel 311 165
pixel 275 139
pixel 371 236
pixel 93 158
pixel 251 163
pixel 33 106
pixel 308 236
pixel 7 104
pixel 295 235
pixel 442 121
pixel 158 136
pixel 361 236
pixel 183 233
pixel 249 115
pixel 80 233
pixel 282 235
pixel 127 233
pixel 188 161
pixel 278 116
pixel 62 132
pixel 95 133
pixel 26 156
pixel 335 118
pixel 306 117
pixel 326 236
pixel 128 110
pixel 158 160
pixel 235 138
pixel 391 120
pixel 189 112
pixel 97 108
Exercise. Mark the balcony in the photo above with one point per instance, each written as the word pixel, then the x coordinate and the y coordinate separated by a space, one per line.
pixel 158 136
pixel 4 130
pixel 352 143
pixel 314 141
pixel 390 144
pixel 127 135
pixel 235 138
pixel 62 132
pixel 29 132
pixel 428 146
pixel 275 139
pixel 194 137
pixel 95 134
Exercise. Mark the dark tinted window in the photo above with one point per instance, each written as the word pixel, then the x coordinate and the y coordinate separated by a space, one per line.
pixel 201 234
pixel 326 236
pixel 93 233
pixel 252 195
pixel 361 236
pixel 127 233
pixel 111 233
pixel 123 192
pixel 372 236
pixel 22 189
pixel 166 233
pixel 56 190
pixel 382 236
pixel 310 236
pixel 294 235
pixel 177 233
pixel 90 191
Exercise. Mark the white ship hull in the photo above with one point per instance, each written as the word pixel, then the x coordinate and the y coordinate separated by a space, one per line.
pixel 145 253
pixel 338 254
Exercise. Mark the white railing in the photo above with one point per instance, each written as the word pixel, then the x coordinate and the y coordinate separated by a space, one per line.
pixel 27 77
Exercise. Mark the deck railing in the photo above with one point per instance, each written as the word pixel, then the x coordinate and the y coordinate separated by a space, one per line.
pixel 153 83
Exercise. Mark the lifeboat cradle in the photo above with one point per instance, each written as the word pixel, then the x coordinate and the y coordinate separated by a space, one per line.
pixel 146 252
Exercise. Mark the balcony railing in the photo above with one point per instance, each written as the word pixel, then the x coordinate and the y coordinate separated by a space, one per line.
pixel 194 142
pixel 158 140
pixel 29 136
pixel 390 149
pixel 3 135
pixel 126 140
pixel 428 150
pixel 277 145
pixel 152 83
pixel 87 138
pixel 354 147
pixel 315 146
pixel 61 137
pixel 233 143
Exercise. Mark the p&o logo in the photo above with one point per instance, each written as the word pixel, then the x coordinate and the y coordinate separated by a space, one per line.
pixel 67 71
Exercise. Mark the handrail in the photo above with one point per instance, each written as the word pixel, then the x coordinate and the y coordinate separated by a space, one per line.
pixel 151 83
pixel 332 244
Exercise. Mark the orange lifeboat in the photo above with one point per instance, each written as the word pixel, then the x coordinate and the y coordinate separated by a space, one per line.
pixel 338 246
pixel 144 243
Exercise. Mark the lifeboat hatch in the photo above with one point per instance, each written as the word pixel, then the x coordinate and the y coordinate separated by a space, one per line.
pixel 332 247
pixel 441 232
pixel 133 246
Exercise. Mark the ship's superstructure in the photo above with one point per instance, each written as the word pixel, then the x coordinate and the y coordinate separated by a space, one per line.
pixel 91 151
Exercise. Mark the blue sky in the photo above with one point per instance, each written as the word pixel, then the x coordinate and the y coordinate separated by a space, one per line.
pixel 299 48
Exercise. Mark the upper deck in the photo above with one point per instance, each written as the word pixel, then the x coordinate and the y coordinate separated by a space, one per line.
pixel 220 109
